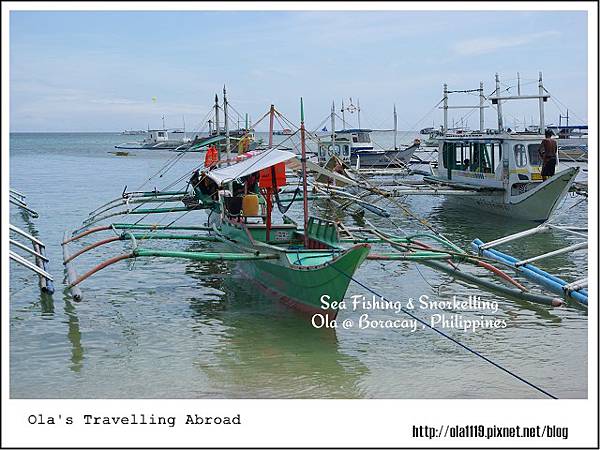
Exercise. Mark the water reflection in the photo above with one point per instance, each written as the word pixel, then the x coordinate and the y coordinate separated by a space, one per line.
pixel 267 350
pixel 74 336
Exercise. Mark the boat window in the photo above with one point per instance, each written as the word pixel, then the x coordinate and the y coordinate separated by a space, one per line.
pixel 346 150
pixel 448 152
pixel 534 154
pixel 520 155
pixel 354 138
pixel 161 134
pixel 363 137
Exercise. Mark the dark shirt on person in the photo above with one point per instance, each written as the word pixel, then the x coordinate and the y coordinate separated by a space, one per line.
pixel 548 149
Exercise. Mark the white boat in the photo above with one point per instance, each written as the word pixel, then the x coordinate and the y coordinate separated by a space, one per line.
pixel 158 139
pixel 355 147
pixel 502 167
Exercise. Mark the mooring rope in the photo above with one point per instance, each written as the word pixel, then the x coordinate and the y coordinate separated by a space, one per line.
pixel 447 336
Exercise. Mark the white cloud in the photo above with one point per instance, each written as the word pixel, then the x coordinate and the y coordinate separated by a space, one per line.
pixel 480 46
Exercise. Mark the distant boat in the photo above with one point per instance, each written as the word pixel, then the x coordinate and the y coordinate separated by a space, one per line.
pixel 354 147
pixel 133 132
pixel 158 140
pixel 284 132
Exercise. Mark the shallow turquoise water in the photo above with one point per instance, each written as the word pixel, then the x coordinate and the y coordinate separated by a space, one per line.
pixel 184 329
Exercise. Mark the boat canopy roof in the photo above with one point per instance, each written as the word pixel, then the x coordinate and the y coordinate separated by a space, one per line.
pixel 569 127
pixel 249 163
pixel 354 130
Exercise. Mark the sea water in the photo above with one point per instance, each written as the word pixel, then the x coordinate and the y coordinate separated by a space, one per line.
pixel 171 328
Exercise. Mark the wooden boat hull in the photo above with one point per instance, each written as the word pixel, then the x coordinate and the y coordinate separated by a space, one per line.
pixel 302 287
pixel 299 277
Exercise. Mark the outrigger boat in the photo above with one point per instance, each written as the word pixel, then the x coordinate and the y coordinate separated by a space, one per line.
pixel 297 265
pixel 502 166
pixel 355 147
pixel 159 139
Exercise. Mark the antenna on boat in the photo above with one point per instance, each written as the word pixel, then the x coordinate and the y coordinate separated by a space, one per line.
pixel 358 110
pixel 304 182
pixel 271 118
pixel 395 128
pixel 343 115
pixel 183 117
pixel 163 121
pixel 518 84
pixel 247 126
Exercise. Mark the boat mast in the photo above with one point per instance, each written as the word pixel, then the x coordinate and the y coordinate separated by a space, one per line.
pixel 163 120
pixel 271 119
pixel 541 100
pixel 358 109
pixel 217 114
pixel 481 108
pixel 445 98
pixel 226 123
pixel 500 124
pixel 247 126
pixel 343 116
pixel 395 128
pixel 333 127
pixel 304 183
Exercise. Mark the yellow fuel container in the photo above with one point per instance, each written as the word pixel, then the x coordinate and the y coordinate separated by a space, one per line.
pixel 250 205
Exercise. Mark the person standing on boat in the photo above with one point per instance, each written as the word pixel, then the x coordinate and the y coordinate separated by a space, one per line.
pixel 548 150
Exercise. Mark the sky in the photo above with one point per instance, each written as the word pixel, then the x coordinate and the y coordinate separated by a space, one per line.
pixel 109 71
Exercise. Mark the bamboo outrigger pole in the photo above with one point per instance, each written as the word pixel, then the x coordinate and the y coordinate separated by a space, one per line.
pixel 304 183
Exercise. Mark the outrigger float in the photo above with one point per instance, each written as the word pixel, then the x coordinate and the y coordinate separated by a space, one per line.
pixel 39 265
pixel 575 290
pixel 295 264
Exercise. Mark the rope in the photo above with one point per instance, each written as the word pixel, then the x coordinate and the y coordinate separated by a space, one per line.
pixel 424 323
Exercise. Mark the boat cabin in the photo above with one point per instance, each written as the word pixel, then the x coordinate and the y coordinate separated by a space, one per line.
pixel 346 143
pixel 156 136
pixel 490 160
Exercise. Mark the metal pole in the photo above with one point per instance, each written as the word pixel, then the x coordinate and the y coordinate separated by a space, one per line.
pixel 304 175
pixel 541 100
pixel 395 129
pixel 500 124
pixel 358 107
pixel 343 116
pixel 226 114
pixel 481 108
pixel 271 119
pixel 217 114
pixel 518 84
pixel 445 108
pixel 333 127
